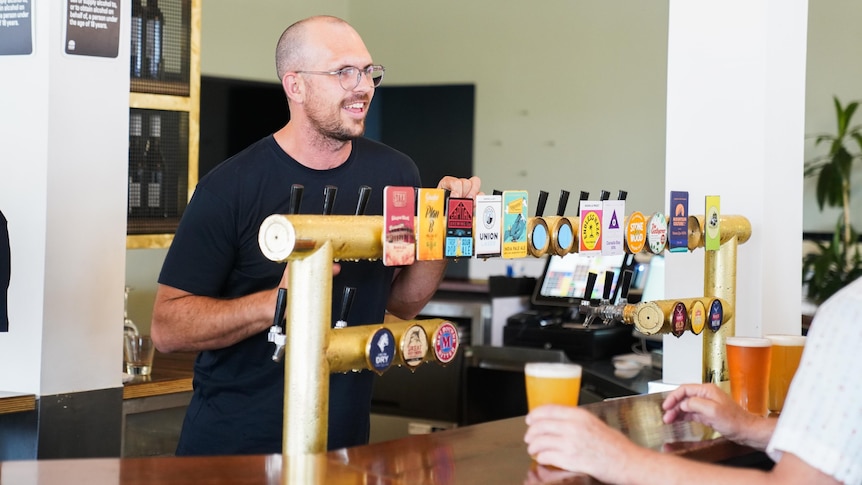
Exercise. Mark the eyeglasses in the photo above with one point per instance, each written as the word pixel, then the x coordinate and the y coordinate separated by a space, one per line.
pixel 349 77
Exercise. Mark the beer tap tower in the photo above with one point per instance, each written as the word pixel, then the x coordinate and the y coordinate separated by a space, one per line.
pixel 301 330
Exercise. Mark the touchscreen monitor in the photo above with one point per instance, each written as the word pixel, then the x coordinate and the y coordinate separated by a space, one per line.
pixel 565 277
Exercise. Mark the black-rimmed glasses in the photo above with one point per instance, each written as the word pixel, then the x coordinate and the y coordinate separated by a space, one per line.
pixel 349 77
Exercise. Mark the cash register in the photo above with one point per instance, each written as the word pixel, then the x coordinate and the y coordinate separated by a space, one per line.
pixel 554 321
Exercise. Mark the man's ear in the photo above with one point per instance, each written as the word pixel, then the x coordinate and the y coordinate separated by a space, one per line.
pixel 293 86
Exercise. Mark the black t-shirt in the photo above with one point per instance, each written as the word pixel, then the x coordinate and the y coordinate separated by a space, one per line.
pixel 238 397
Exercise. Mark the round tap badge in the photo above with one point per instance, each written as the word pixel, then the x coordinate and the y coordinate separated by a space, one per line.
pixel 414 345
pixel 591 230
pixel 697 317
pixel 635 232
pixel 657 233
pixel 380 350
pixel 679 318
pixel 716 314
pixel 445 342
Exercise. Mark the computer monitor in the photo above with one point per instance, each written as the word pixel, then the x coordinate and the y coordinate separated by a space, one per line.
pixel 565 278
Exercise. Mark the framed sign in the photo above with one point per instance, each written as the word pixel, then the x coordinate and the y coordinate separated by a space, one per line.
pixel 93 28
pixel 16 27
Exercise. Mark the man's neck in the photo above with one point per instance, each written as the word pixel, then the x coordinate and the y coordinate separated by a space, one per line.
pixel 311 150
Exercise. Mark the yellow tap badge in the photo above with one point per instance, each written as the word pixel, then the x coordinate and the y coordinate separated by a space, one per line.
pixel 591 227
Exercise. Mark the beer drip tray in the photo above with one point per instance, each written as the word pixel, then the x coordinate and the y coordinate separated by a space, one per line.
pixel 598 341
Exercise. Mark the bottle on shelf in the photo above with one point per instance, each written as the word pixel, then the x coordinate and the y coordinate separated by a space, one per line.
pixel 155 166
pixel 137 34
pixel 154 23
pixel 136 166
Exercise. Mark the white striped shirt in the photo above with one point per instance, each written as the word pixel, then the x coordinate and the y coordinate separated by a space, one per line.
pixel 821 421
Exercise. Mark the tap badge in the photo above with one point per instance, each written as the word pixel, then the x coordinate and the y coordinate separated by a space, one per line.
pixel 380 350
pixel 414 345
pixel 716 314
pixel 697 316
pixel 446 342
pixel 679 319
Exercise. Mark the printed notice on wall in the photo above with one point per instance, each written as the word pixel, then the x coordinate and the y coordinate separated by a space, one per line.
pixel 16 27
pixel 93 27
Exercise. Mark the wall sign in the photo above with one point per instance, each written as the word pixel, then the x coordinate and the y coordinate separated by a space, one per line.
pixel 16 27
pixel 92 27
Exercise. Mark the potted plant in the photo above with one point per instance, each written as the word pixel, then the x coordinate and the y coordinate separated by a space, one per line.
pixel 836 262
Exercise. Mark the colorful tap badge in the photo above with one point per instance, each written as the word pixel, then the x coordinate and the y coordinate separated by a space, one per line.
pixel 697 317
pixel 678 319
pixel 678 223
pixel 656 233
pixel 635 232
pixel 613 227
pixel 488 226
pixel 515 224
pixel 414 346
pixel 399 236
pixel 459 228
pixel 430 226
pixel 380 350
pixel 716 315
pixel 712 231
pixel 590 242
pixel 445 342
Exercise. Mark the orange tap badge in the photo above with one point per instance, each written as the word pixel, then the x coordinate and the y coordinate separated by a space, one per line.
pixel 635 232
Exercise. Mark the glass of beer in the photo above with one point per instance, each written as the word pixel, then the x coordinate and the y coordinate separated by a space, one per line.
pixel 552 383
pixel 748 362
pixel 786 354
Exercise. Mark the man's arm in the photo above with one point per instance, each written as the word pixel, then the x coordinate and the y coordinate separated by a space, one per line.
pixel 414 285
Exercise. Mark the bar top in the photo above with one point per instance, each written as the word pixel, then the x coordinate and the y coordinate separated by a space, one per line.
pixel 171 373
pixel 491 452
pixel 13 402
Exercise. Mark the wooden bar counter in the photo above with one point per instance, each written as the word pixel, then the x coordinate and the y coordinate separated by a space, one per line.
pixel 491 452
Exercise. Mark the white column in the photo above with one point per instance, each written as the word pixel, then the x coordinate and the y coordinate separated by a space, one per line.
pixel 735 128
pixel 63 158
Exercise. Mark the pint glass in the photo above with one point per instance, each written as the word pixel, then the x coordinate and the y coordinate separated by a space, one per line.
pixel 748 363
pixel 552 383
pixel 786 354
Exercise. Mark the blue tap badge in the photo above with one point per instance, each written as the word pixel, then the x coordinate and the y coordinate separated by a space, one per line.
pixel 381 350
pixel 716 315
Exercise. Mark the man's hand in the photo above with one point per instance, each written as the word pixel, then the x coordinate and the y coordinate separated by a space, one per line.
pixel 461 188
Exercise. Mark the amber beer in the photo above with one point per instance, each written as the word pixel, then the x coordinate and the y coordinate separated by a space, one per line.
pixel 786 354
pixel 748 361
pixel 552 383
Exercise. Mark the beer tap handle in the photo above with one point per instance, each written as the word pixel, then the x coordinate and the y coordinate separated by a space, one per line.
pixel 276 332
pixel 540 205
pixel 586 308
pixel 584 196
pixel 329 199
pixel 497 192
pixel 622 195
pixel 364 194
pixel 564 200
pixel 605 195
pixel 609 285
pixel 295 198
pixel 346 303
pixel 625 286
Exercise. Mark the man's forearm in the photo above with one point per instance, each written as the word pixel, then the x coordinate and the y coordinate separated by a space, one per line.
pixel 414 286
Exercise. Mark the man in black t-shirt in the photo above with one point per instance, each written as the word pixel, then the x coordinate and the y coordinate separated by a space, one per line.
pixel 217 291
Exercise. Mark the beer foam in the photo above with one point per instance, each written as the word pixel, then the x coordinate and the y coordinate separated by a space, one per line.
pixel 787 340
pixel 748 342
pixel 554 370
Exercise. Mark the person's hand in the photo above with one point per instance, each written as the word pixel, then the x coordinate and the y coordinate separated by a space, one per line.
pixel 574 439
pixel 709 405
pixel 461 188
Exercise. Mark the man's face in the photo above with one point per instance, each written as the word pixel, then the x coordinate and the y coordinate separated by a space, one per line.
pixel 336 113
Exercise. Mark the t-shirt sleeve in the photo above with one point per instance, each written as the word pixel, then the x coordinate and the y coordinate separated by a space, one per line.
pixel 202 253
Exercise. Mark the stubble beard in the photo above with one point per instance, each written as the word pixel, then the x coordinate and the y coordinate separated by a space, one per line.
pixel 330 126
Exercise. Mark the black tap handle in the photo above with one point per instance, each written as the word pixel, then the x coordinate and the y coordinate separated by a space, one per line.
pixel 497 192
pixel 605 195
pixel 609 285
pixel 329 199
pixel 584 196
pixel 564 200
pixel 540 205
pixel 280 308
pixel 627 281
pixel 591 284
pixel 622 195
pixel 364 194
pixel 295 198
pixel 346 302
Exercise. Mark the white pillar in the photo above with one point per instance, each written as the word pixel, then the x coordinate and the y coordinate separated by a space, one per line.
pixel 735 128
pixel 63 159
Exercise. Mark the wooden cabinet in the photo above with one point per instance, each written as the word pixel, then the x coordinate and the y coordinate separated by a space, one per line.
pixel 164 117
